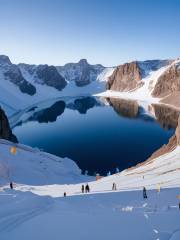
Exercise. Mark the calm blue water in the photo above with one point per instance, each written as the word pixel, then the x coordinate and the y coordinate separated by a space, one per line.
pixel 97 137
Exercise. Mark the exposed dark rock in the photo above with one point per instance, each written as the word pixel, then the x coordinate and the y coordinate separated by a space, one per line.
pixel 82 73
pixel 14 75
pixel 5 130
pixel 49 75
pixel 4 60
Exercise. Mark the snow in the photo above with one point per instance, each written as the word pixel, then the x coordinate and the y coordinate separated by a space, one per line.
pixel 143 93
pixel 35 209
pixel 105 74
pixel 13 100
pixel 151 76
pixel 32 166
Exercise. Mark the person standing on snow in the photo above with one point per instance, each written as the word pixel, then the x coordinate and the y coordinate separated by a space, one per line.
pixel 114 187
pixel 82 188
pixel 144 193
pixel 11 185
pixel 87 189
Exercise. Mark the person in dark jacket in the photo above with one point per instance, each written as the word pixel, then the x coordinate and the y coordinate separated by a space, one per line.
pixel 87 189
pixel 11 185
pixel 82 188
pixel 114 186
pixel 64 194
pixel 144 193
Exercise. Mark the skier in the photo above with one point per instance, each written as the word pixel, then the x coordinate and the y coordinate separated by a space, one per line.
pixel 144 193
pixel 64 194
pixel 11 185
pixel 82 188
pixel 87 188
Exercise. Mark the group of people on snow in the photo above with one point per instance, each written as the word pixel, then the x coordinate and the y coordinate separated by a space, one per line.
pixel 85 189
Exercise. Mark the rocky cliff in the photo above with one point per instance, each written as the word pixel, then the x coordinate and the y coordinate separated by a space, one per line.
pixel 49 75
pixel 125 77
pixel 130 76
pixel 5 130
pixel 168 82
pixel 82 73
pixel 11 72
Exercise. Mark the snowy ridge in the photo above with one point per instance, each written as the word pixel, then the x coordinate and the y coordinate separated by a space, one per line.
pixel 13 100
pixel 151 73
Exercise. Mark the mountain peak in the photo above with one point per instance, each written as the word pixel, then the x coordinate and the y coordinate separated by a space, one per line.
pixel 4 60
pixel 83 61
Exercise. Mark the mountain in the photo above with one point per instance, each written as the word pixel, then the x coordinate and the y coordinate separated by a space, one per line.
pixel 128 77
pixel 11 72
pixel 82 73
pixel 22 85
pixel 43 75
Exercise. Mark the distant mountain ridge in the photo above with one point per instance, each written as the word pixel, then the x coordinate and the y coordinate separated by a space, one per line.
pixel 24 84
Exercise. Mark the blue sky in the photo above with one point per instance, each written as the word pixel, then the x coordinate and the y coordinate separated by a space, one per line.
pixel 103 31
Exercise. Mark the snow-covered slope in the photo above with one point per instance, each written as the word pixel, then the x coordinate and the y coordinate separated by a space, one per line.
pixel 41 178
pixel 32 166
pixel 23 85
pixel 150 74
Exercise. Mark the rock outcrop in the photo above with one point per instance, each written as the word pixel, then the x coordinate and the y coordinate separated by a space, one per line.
pixel 125 77
pixel 5 130
pixel 49 75
pixel 12 73
pixel 168 82
pixel 82 73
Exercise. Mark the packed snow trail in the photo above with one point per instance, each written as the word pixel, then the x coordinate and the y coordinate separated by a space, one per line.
pixel 96 216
